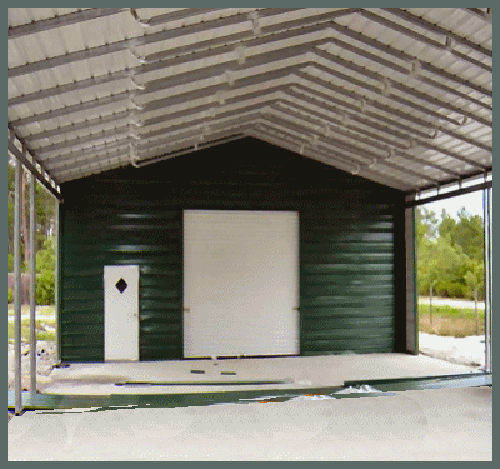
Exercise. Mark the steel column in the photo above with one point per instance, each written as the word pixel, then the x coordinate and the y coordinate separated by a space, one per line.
pixel 57 282
pixel 17 290
pixel 32 288
pixel 487 204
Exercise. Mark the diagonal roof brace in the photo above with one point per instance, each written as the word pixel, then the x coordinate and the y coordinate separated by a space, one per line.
pixel 21 156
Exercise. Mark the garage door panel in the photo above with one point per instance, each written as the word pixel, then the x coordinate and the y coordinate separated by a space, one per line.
pixel 240 286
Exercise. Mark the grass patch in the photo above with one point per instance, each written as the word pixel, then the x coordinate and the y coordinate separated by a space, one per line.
pixel 40 310
pixel 40 327
pixel 450 321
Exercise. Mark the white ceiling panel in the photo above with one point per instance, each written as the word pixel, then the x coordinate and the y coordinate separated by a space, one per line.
pixel 399 96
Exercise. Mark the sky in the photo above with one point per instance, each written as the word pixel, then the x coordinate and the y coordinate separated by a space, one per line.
pixel 472 202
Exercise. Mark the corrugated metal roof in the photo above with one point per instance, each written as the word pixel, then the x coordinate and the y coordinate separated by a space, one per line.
pixel 399 96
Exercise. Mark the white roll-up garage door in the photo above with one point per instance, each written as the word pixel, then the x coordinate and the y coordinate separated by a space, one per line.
pixel 240 283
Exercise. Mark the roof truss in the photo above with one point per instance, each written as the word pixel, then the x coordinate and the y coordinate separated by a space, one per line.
pixel 401 96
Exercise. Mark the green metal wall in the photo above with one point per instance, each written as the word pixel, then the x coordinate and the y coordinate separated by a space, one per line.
pixel 134 216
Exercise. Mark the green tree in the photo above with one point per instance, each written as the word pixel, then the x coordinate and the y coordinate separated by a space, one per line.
pixel 45 208
pixel 45 269
pixel 474 279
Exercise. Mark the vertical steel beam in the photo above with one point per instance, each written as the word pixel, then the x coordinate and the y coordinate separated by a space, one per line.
pixel 18 405
pixel 57 283
pixel 32 287
pixel 412 345
pixel 487 205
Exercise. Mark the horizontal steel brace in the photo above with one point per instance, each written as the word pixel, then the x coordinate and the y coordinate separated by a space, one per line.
pixel 114 117
pixel 76 153
pixel 219 69
pixel 350 163
pixel 73 162
pixel 449 194
pixel 69 87
pixel 396 85
pixel 201 121
pixel 402 55
pixel 480 14
pixel 19 155
pixel 63 20
pixel 137 41
pixel 336 128
pixel 380 118
pixel 354 149
pixel 82 140
pixel 399 153
pixel 420 37
pixel 353 119
pixel 387 180
pixel 403 71
pixel 191 149
pixel 325 97
pixel 377 91
pixel 175 15
pixel 111 99
pixel 202 49
pixel 410 17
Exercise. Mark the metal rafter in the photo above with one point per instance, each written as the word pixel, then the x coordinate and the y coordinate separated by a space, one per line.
pixel 305 142
pixel 358 152
pixel 325 97
pixel 359 52
pixel 484 15
pixel 377 91
pixel 398 150
pixel 375 120
pixel 191 52
pixel 62 20
pixel 392 84
pixel 125 44
pixel 283 142
pixel 402 55
pixel 424 39
pixel 423 23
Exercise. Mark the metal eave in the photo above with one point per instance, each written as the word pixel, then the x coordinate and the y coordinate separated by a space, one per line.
pixel 42 175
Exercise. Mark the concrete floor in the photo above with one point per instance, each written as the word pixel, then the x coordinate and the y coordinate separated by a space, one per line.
pixel 431 424
pixel 300 372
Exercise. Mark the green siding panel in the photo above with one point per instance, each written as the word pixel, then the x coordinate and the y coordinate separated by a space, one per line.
pixel 134 216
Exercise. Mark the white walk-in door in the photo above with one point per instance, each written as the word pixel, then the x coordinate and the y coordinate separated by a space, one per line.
pixel 240 283
pixel 121 312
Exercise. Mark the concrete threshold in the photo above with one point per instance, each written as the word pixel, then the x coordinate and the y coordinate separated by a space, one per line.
pixel 199 376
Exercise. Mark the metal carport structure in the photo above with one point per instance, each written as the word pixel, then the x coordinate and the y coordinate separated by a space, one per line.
pixel 402 97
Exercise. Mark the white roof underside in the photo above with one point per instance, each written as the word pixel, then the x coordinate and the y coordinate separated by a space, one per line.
pixel 399 96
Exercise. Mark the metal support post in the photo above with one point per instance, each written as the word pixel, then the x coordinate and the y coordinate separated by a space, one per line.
pixel 57 253
pixel 18 405
pixel 32 288
pixel 487 205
